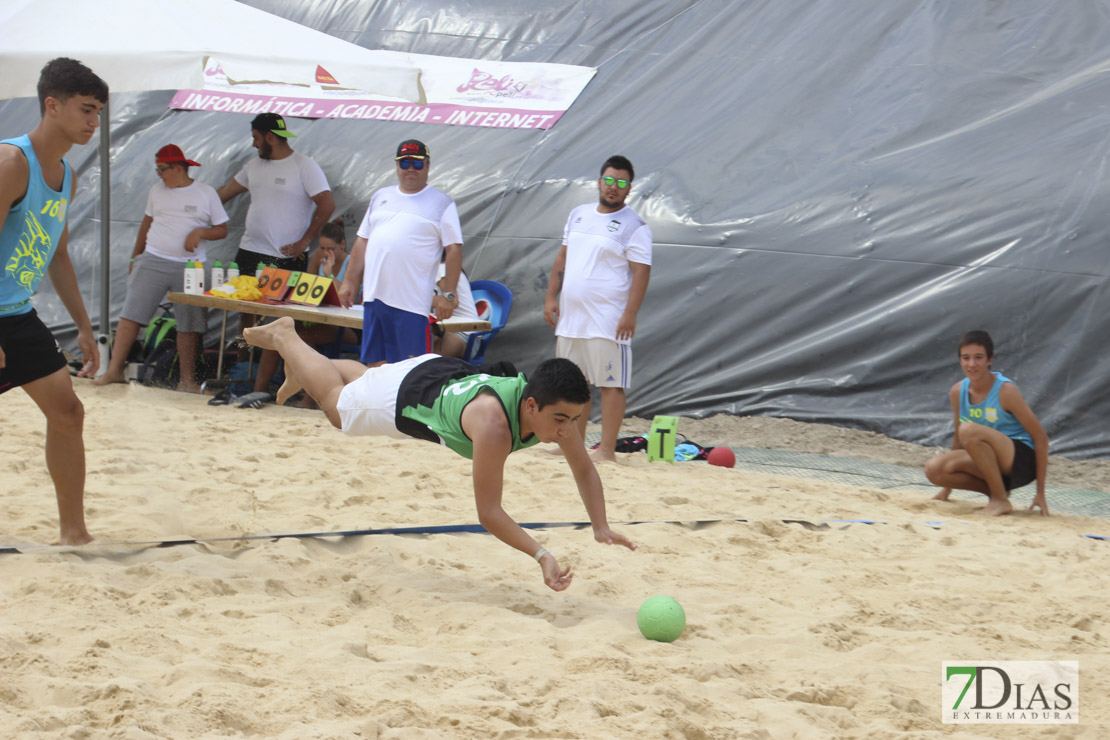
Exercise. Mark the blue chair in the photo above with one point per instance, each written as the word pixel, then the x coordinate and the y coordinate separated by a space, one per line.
pixel 500 300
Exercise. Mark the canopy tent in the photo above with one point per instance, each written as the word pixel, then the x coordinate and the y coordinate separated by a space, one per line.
pixel 829 217
pixel 138 45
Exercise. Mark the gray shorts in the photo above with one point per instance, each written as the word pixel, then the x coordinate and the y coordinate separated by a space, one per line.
pixel 147 286
pixel 605 362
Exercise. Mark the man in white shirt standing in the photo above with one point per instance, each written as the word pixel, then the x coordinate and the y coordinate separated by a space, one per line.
pixel 181 214
pixel 408 227
pixel 290 202
pixel 597 284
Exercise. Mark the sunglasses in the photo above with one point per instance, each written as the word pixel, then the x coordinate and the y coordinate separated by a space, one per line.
pixel 610 180
pixel 416 164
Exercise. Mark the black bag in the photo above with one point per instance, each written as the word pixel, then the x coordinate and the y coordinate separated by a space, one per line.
pixel 160 367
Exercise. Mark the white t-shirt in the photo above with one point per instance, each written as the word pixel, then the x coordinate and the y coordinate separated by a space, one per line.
pixel 598 276
pixel 405 236
pixel 176 213
pixel 466 308
pixel 281 201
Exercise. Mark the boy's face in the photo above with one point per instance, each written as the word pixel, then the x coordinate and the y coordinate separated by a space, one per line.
pixel 555 421
pixel 78 116
pixel 974 361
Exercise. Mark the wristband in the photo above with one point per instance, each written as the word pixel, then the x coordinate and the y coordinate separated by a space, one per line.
pixel 539 555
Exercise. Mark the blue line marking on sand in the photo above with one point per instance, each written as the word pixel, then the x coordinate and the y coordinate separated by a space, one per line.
pixel 441 529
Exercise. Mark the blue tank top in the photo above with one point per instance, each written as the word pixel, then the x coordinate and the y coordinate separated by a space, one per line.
pixel 343 270
pixel 31 233
pixel 343 273
pixel 990 413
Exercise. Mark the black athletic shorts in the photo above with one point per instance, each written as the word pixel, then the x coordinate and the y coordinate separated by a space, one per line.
pixel 30 350
pixel 248 262
pixel 1024 470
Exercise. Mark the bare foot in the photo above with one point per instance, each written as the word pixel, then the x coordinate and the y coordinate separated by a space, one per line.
pixel 75 538
pixel 289 388
pixel 599 456
pixel 996 508
pixel 266 336
pixel 943 495
pixel 110 377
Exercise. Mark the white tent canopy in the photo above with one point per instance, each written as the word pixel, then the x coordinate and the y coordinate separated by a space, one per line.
pixel 138 45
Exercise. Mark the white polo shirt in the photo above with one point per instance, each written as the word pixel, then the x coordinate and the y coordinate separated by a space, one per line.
pixel 598 275
pixel 281 201
pixel 405 235
pixel 176 213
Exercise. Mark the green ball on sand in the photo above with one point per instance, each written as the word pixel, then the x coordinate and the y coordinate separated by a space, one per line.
pixel 661 618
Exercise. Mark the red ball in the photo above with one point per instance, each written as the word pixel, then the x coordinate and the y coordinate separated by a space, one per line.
pixel 721 456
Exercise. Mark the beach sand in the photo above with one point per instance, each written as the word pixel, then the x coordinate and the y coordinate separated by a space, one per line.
pixel 793 631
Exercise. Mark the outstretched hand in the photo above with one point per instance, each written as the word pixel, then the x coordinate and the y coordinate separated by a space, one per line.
pixel 607 536
pixel 556 579
pixel 1040 501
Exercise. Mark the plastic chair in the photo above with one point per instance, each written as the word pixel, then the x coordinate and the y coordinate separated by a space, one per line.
pixel 500 300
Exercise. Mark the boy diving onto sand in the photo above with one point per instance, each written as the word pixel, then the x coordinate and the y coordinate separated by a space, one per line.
pixel 998 445
pixel 445 400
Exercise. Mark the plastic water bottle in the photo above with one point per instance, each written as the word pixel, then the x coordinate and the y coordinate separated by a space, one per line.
pixel 217 274
pixel 190 278
pixel 258 270
pixel 232 272
pixel 198 266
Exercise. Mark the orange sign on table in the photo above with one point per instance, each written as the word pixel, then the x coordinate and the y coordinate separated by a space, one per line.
pixel 275 283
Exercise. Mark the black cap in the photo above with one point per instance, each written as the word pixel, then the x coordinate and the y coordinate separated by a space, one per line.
pixel 412 148
pixel 271 123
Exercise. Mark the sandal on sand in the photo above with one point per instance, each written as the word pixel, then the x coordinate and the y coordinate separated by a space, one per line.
pixel 254 400
pixel 223 398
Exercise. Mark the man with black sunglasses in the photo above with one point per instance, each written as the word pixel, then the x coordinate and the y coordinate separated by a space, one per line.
pixel 597 284
pixel 406 230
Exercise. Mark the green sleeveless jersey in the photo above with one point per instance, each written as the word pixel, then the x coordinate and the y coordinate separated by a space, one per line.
pixel 431 399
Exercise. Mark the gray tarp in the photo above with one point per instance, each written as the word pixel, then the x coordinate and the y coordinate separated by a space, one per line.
pixel 837 191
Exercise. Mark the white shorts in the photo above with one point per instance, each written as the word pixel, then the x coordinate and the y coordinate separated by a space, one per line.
pixel 368 406
pixel 604 362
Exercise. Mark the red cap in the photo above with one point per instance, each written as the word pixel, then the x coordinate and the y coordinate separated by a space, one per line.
pixel 172 154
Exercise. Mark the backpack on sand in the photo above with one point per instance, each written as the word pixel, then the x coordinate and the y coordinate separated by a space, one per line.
pixel 159 354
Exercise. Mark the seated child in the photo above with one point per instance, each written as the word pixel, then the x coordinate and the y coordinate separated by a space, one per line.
pixel 999 444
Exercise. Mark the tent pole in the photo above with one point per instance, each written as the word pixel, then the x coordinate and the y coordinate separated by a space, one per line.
pixel 102 342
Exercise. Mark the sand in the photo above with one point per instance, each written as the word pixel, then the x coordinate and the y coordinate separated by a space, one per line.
pixel 793 632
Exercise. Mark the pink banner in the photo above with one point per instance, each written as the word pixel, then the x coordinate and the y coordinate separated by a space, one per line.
pixel 368 110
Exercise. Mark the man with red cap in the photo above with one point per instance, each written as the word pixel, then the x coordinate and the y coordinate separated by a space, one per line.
pixel 181 214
